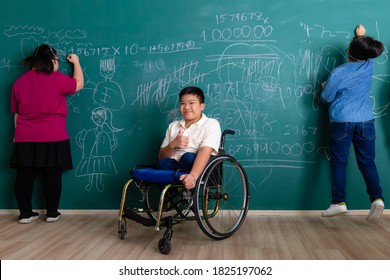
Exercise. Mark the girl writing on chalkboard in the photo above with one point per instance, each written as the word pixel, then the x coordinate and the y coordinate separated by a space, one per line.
pixel 347 90
pixel 41 142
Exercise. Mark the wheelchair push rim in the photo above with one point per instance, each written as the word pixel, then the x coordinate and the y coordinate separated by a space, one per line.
pixel 221 198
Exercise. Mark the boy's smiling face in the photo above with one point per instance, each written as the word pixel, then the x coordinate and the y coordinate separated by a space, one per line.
pixel 191 108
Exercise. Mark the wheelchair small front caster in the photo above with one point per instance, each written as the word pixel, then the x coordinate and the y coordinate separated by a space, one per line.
pixel 164 245
pixel 122 229
pixel 122 233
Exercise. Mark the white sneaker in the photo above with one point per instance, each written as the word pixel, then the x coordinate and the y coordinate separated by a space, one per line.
pixel 334 210
pixel 53 219
pixel 376 211
pixel 27 220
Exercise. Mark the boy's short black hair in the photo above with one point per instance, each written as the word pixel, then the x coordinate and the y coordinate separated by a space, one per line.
pixel 42 59
pixel 365 47
pixel 193 90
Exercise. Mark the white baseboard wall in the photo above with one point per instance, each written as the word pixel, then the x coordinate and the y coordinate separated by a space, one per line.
pixel 250 212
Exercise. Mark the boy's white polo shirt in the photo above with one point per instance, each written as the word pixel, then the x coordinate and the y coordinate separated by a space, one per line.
pixel 204 133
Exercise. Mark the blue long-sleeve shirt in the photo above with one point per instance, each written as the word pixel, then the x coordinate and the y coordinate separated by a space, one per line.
pixel 347 89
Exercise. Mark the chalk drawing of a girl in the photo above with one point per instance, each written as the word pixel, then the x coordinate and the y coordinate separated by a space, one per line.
pixel 98 144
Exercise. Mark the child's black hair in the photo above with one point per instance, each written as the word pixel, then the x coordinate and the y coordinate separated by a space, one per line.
pixel 365 47
pixel 193 90
pixel 42 59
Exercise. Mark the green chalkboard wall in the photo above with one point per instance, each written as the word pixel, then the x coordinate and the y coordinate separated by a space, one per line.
pixel 260 64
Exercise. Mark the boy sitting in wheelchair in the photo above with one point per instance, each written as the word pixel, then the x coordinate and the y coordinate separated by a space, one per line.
pixel 190 142
pixel 192 174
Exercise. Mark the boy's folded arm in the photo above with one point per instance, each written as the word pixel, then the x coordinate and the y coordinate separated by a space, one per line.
pixel 200 163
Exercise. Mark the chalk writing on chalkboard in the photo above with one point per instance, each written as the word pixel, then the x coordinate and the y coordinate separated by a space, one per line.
pixel 267 91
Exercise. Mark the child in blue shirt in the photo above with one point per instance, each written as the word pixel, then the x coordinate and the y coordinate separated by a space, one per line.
pixel 347 90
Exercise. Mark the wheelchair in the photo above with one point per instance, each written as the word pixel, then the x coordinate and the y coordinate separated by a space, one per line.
pixel 219 202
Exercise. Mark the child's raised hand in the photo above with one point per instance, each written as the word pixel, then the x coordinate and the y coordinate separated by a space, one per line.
pixel 73 58
pixel 360 30
pixel 181 141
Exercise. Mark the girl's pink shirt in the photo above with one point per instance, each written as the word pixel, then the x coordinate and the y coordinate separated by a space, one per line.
pixel 39 99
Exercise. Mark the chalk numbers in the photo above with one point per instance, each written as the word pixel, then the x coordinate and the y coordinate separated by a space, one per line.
pixel 5 63
pixel 258 30
pixel 171 48
pixel 241 17
pixel 296 130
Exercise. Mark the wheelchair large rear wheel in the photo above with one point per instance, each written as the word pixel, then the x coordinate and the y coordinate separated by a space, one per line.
pixel 221 197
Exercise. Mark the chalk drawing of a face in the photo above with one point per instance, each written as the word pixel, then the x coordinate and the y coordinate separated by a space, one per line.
pixel 107 68
pixel 99 117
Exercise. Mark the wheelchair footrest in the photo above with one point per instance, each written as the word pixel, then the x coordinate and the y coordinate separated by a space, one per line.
pixel 130 214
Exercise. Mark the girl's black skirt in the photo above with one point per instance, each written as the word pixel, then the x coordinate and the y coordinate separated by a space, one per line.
pixel 42 154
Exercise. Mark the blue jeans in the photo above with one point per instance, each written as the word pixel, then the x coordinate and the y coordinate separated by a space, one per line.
pixel 186 162
pixel 362 136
